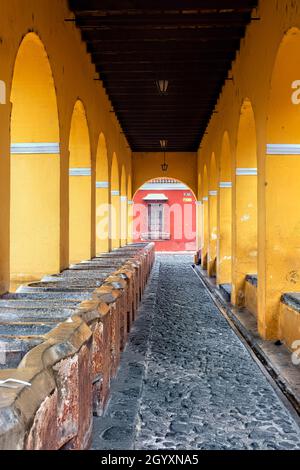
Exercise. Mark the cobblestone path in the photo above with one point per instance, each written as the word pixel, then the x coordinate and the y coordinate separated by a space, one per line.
pixel 186 381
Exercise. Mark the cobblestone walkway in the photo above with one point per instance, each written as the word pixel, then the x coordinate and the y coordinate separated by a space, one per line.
pixel 186 381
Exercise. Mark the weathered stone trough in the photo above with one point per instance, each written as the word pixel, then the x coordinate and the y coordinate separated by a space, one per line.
pixel 62 338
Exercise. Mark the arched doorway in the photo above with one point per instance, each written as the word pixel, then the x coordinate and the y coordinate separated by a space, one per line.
pixel 212 217
pixel 130 210
pixel 225 214
pixel 165 213
pixel 80 189
pixel 102 198
pixel 115 204
pixel 280 265
pixel 35 166
pixel 204 254
pixel 244 236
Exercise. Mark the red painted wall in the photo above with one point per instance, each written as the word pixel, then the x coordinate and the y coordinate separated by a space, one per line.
pixel 179 219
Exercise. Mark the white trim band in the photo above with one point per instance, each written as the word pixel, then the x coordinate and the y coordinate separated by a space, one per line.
pixel 123 198
pixel 205 199
pixel 283 149
pixel 80 172
pixel 102 184
pixel 115 193
pixel 213 193
pixel 35 148
pixel 225 184
pixel 130 203
pixel 246 172
pixel 199 203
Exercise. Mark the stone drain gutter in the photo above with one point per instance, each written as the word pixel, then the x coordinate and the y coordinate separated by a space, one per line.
pixel 60 345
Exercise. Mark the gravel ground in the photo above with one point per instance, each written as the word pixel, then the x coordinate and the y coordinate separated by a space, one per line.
pixel 186 381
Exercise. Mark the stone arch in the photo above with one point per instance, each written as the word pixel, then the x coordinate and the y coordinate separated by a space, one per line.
pixel 281 257
pixel 165 213
pixel 225 214
pixel 124 206
pixel 212 216
pixel 205 211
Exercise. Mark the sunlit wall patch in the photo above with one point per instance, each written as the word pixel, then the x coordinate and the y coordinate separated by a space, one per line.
pixel 246 172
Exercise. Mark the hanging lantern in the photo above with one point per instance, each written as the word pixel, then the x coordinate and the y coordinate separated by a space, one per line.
pixel 162 86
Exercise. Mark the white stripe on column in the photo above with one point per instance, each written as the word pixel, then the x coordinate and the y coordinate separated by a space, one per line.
pixel 283 149
pixel 33 148
pixel 115 193
pixel 102 184
pixel 130 203
pixel 80 172
pixel 124 198
pixel 213 193
pixel 225 184
pixel 205 199
pixel 246 172
pixel 199 203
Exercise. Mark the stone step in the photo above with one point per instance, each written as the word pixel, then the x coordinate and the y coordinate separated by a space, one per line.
pixel 225 290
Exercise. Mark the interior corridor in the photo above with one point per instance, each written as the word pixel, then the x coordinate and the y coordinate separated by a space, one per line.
pixel 186 380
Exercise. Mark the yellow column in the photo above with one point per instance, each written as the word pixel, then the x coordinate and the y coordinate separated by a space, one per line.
pixel 224 233
pixel 199 224
pixel 80 214
pixel 102 217
pixel 124 219
pixel 130 222
pixel 212 223
pixel 244 231
pixel 115 219
pixel 280 270
pixel 204 255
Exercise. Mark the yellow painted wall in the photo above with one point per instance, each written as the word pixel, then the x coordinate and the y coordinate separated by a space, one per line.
pixel 124 208
pixel 289 326
pixel 251 298
pixel 35 178
pixel 255 77
pixel 224 229
pixel 80 188
pixel 115 212
pixel 282 189
pixel 205 221
pixel 182 166
pixel 252 74
pixel 73 77
pixel 129 210
pixel 102 198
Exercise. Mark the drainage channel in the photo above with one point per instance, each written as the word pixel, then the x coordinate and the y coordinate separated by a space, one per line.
pixel 258 359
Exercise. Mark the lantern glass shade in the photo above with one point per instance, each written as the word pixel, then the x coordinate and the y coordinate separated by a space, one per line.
pixel 165 167
pixel 163 143
pixel 162 86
